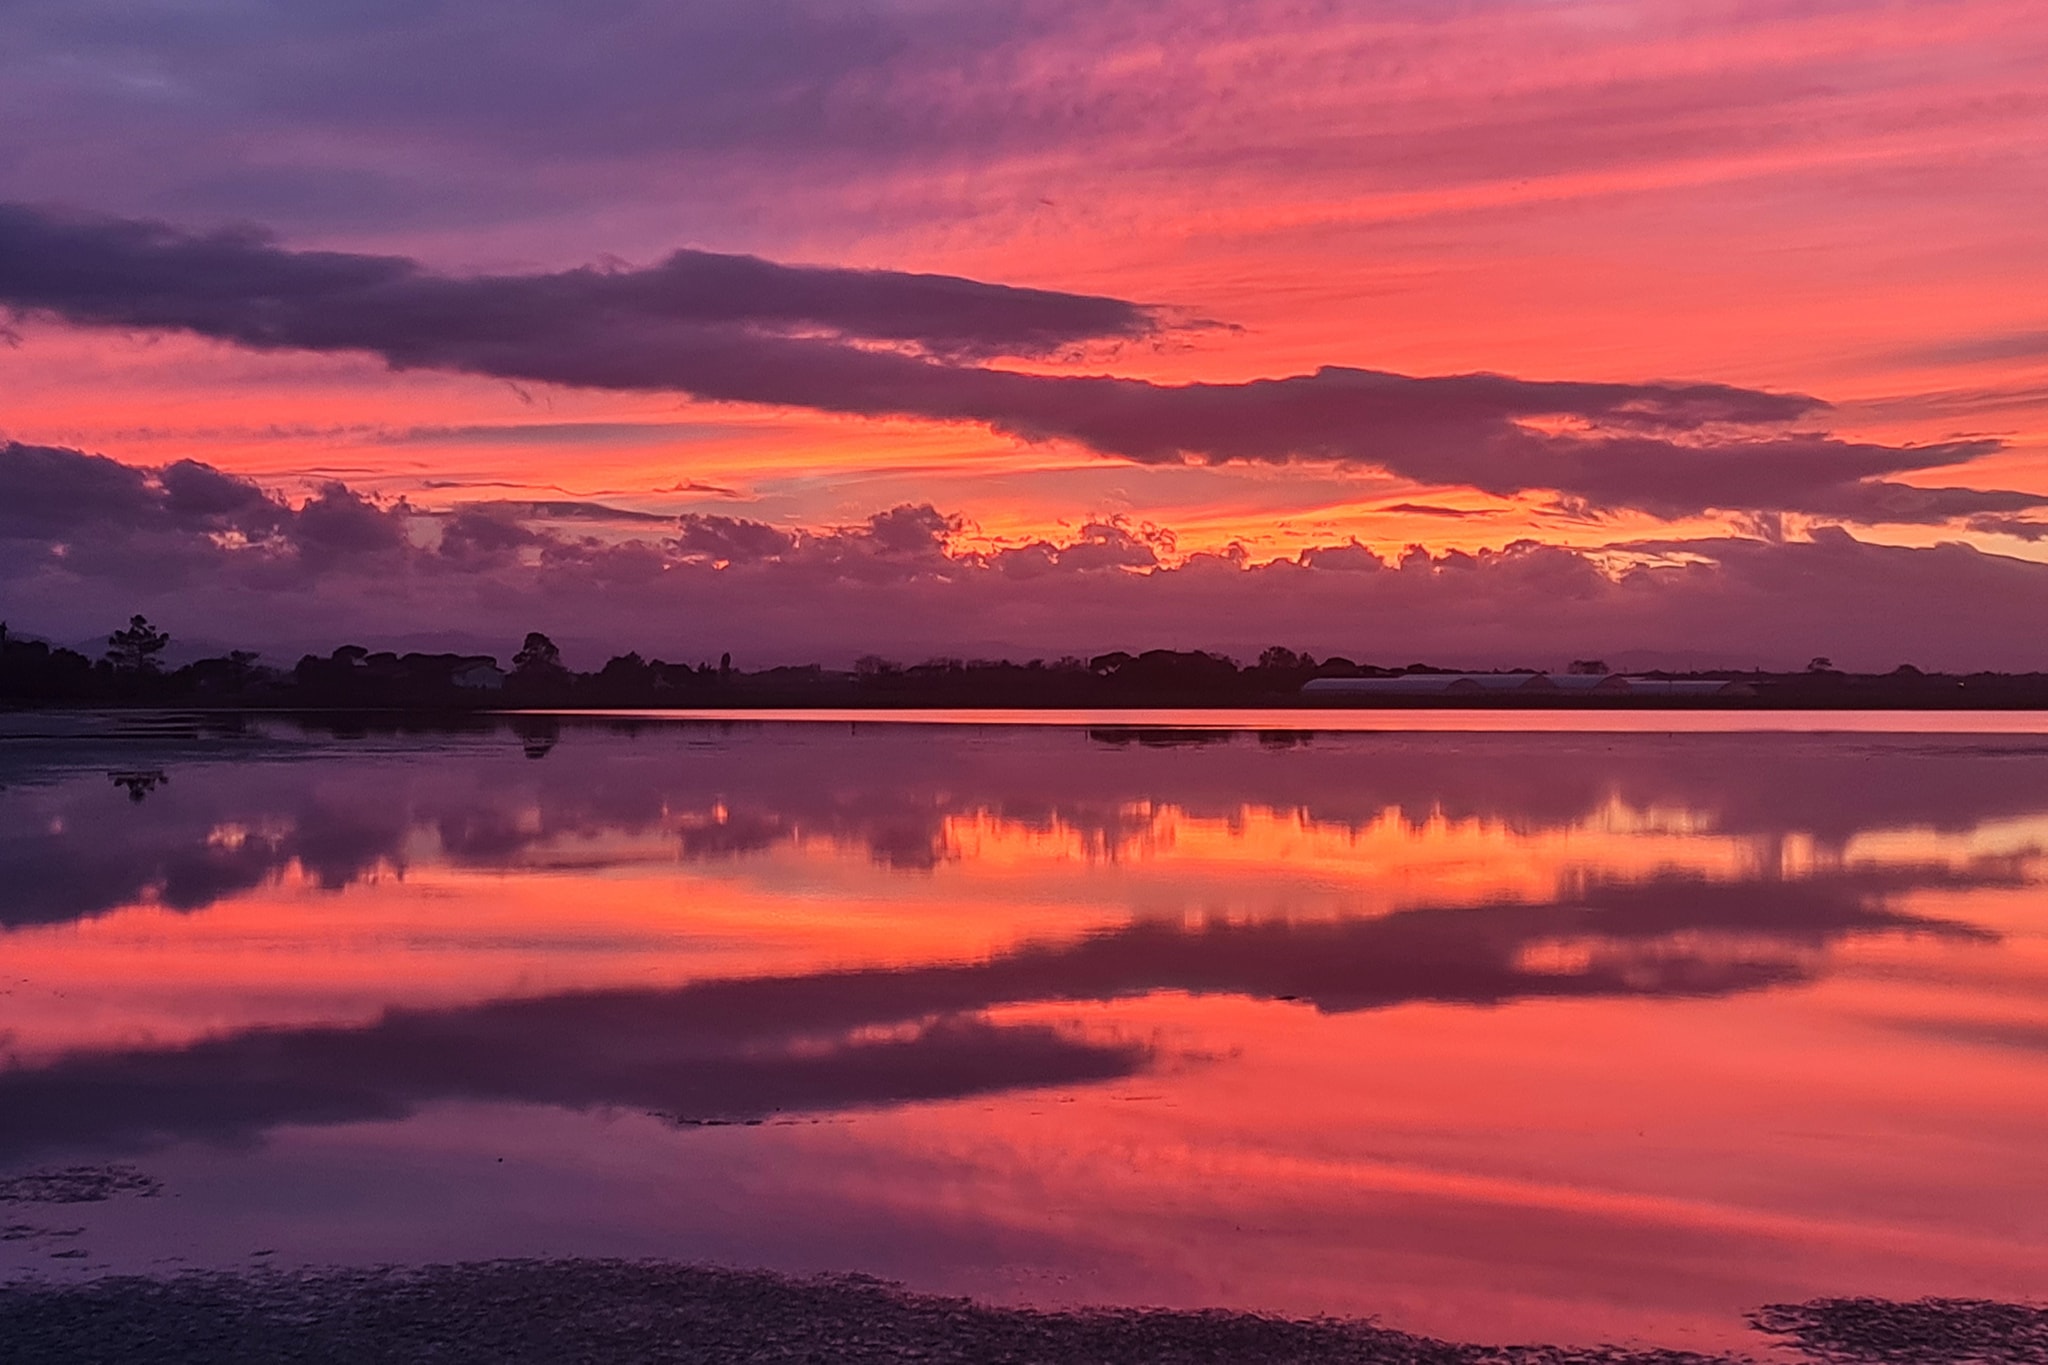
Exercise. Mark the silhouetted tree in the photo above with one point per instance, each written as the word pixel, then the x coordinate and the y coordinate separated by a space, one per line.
pixel 134 649
pixel 537 734
pixel 232 672
pixel 1589 668
pixel 139 783
pixel 1821 664
pixel 537 658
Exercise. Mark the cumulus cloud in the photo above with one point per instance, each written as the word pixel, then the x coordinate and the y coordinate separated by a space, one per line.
pixel 724 540
pixel 887 344
pixel 66 513
pixel 85 540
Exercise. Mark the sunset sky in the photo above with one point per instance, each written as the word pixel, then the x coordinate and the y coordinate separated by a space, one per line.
pixel 1488 331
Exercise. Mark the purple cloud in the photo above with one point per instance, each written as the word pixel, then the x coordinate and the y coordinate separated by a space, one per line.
pixel 719 539
pixel 85 540
pixel 240 287
pixel 886 344
pixel 64 512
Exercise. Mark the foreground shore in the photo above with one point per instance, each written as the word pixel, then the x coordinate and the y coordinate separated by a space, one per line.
pixel 512 1312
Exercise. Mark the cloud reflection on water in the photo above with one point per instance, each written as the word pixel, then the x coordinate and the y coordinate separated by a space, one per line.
pixel 752 1046
pixel 899 794
pixel 722 798
pixel 1593 1018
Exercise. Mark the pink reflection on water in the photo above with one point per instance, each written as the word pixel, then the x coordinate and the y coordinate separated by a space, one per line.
pixel 1495 1036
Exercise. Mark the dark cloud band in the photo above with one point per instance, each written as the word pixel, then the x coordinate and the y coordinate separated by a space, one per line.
pixel 888 344
pixel 243 288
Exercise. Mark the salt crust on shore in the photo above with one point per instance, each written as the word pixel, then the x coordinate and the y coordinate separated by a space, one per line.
pixel 619 1312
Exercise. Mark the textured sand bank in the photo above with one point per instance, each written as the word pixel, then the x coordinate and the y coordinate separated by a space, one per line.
pixel 619 1312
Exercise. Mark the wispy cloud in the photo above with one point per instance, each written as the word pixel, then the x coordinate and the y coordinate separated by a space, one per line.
pixel 1974 350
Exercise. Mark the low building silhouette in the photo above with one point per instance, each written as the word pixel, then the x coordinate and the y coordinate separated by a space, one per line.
pixel 1518 684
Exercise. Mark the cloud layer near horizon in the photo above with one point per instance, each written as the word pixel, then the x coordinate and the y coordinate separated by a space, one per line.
pixel 85 540
pixel 889 344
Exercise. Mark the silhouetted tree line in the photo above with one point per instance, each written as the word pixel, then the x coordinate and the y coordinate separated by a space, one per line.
pixel 130 671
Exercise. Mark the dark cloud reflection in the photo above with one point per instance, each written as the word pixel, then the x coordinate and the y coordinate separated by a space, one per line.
pixel 749 1047
pixel 252 805
pixel 655 1051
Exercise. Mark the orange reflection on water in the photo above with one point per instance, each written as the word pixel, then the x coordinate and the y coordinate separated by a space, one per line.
pixel 612 908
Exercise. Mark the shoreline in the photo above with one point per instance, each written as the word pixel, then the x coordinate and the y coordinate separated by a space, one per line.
pixel 1115 725
pixel 1540 704
pixel 518 1311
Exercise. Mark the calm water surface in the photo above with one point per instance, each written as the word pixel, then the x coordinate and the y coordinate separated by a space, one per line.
pixel 1497 1035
